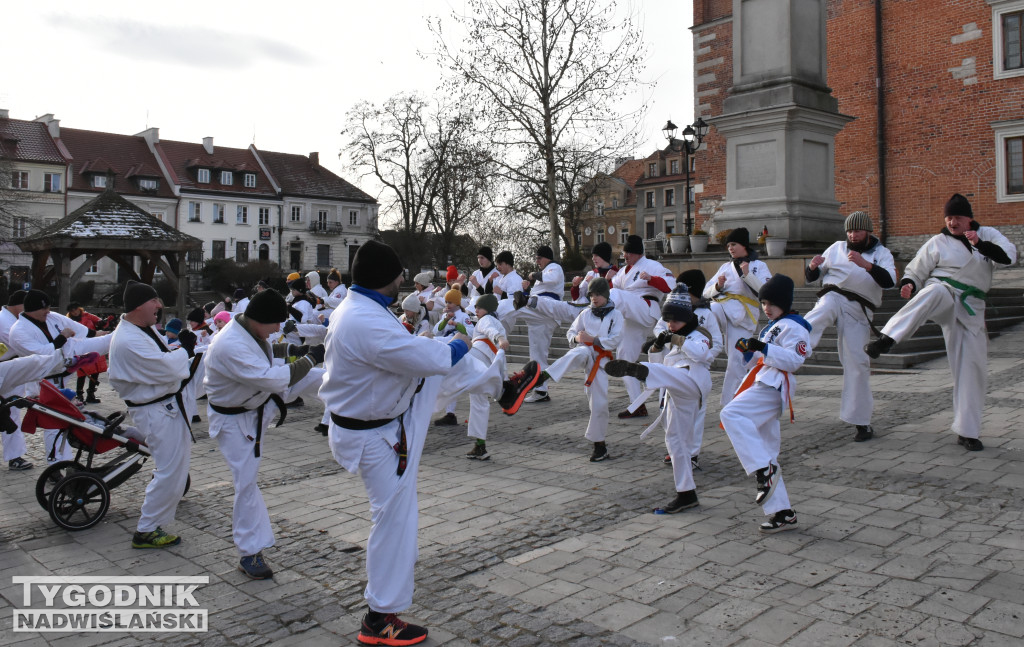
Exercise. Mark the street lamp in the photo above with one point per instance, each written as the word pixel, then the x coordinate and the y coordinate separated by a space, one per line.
pixel 693 135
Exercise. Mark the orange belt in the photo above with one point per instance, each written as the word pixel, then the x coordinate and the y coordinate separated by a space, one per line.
pixel 490 344
pixel 601 354
pixel 748 382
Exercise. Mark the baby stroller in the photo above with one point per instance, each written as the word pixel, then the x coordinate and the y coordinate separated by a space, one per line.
pixel 77 494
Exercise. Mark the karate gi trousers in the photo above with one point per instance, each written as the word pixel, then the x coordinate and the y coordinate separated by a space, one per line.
pixel 966 347
pixel 16 373
pixel 391 549
pixel 14 443
pixel 169 441
pixel 639 317
pixel 751 421
pixel 480 374
pixel 683 398
pixel 736 367
pixel 582 357
pixel 854 331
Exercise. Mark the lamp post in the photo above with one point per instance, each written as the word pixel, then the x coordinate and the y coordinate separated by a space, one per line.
pixel 693 135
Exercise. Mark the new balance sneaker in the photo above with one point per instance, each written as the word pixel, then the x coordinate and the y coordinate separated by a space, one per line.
pixel 390 630
pixel 864 432
pixel 255 567
pixel 600 453
pixel 18 464
pixel 538 396
pixel 766 479
pixel 781 520
pixel 154 539
pixel 479 453
pixel 622 368
pixel 639 413
pixel 683 501
pixel 879 347
pixel 517 386
pixel 447 420
pixel 970 444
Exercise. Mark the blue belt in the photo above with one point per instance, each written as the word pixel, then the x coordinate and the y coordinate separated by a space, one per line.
pixel 550 295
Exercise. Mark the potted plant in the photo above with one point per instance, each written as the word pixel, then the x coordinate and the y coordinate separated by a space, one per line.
pixel 699 241
pixel 774 246
pixel 678 243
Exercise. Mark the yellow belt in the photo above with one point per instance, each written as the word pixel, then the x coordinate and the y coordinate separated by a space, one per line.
pixel 727 296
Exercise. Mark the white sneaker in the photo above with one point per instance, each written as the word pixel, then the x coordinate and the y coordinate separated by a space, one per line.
pixel 538 396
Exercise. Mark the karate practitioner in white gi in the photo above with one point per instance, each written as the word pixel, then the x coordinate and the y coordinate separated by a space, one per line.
pixel 336 292
pixel 246 390
pixel 39 331
pixel 751 419
pixel 946 283
pixel 856 270
pixel 603 267
pixel 414 316
pixel 637 290
pixel 733 293
pixel 150 378
pixel 482 280
pixel 504 287
pixel 488 341
pixel 680 361
pixel 14 442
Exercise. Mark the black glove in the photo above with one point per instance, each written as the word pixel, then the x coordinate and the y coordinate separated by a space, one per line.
pixel 289 327
pixel 535 276
pixel 316 353
pixel 294 350
pixel 188 340
pixel 664 339
pixel 646 348
pixel 749 344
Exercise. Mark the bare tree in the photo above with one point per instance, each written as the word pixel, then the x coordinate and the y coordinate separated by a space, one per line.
pixel 8 196
pixel 547 72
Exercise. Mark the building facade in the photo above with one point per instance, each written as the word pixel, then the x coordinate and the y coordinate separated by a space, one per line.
pixel 610 213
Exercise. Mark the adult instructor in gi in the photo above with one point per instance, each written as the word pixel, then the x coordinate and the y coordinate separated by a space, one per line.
pixel 380 387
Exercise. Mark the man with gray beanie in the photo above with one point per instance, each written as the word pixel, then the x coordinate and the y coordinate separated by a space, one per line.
pixel 853 273
pixel 946 283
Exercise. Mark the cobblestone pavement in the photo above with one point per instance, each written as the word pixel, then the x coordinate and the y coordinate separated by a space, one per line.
pixel 906 539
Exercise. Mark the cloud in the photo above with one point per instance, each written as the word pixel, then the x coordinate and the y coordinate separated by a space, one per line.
pixel 189 46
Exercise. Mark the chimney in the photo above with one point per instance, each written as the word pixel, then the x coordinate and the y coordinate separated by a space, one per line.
pixel 315 158
pixel 5 113
pixel 208 145
pixel 150 135
pixel 53 125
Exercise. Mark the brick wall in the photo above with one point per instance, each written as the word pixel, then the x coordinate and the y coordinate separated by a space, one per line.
pixel 712 56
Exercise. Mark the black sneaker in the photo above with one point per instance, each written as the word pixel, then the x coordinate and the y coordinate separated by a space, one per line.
pixel 518 300
pixel 92 399
pixel 879 347
pixel 322 428
pixel 622 368
pixel 297 402
pixel 781 520
pixel 196 419
pixel 766 479
pixel 479 453
pixel 668 459
pixel 447 420
pixel 600 453
pixel 639 413
pixel 970 444
pixel 255 567
pixel 18 464
pixel 390 630
pixel 517 386
pixel 683 501
pixel 864 432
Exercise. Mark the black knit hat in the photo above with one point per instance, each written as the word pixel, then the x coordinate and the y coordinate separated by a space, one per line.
pixel 677 306
pixel 778 291
pixel 135 294
pixel 17 298
pixel 263 284
pixel 600 287
pixel 298 284
pixel 197 315
pixel 692 279
pixel 239 294
pixel 375 265
pixel 267 307
pixel 604 250
pixel 545 252
pixel 739 235
pixel 634 245
pixel 958 205
pixel 505 257
pixel 486 252
pixel 36 300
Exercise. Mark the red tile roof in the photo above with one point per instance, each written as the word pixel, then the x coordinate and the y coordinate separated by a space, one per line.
pixel 95 152
pixel 28 141
pixel 185 158
pixel 297 175
pixel 630 172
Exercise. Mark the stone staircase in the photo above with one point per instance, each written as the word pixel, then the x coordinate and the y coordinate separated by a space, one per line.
pixel 1005 307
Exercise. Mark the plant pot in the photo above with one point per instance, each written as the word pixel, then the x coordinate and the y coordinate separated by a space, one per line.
pixel 775 246
pixel 699 243
pixel 679 244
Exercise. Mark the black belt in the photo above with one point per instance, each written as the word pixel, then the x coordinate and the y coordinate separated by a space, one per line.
pixel 359 425
pixel 401 447
pixel 864 304
pixel 181 407
pixel 235 411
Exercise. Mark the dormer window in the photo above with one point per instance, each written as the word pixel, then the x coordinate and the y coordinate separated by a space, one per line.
pixel 250 180
pixel 227 178
pixel 203 176
pixel 99 181
pixel 148 184
pixel 652 170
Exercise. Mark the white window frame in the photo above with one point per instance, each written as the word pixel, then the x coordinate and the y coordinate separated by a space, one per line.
pixel 296 213
pixel 250 180
pixel 1005 130
pixel 218 214
pixel 203 176
pixel 999 8
pixel 19 227
pixel 675 166
pixel 623 233
pixel 195 211
pixel 48 182
pixel 99 181
pixel 264 215
pixel 353 218
pixel 159 215
pixel 149 184
pixel 241 215
pixel 94 268
pixel 227 178
pixel 23 179
pixel 652 169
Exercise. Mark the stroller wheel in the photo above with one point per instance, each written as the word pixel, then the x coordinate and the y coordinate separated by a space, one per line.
pixel 50 477
pixel 79 501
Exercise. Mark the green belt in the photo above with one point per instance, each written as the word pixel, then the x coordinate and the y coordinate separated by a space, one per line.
pixel 965 291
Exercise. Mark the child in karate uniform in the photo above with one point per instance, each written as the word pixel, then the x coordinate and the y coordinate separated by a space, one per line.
pixel 488 339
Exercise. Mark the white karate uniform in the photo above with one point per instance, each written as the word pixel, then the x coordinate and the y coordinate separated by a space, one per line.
pixel 944 256
pixel 585 283
pixel 481 278
pixel 143 370
pixel 15 373
pixel 374 368
pixel 240 372
pixel 751 419
pixel 608 330
pixel 853 323
pixel 487 327
pixel 441 332
pixel 737 319
pixel 541 320
pixel 13 443
pixel 509 284
pixel 334 299
pixel 26 338
pixel 639 303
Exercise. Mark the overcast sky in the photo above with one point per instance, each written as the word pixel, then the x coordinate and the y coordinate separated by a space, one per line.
pixel 282 75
